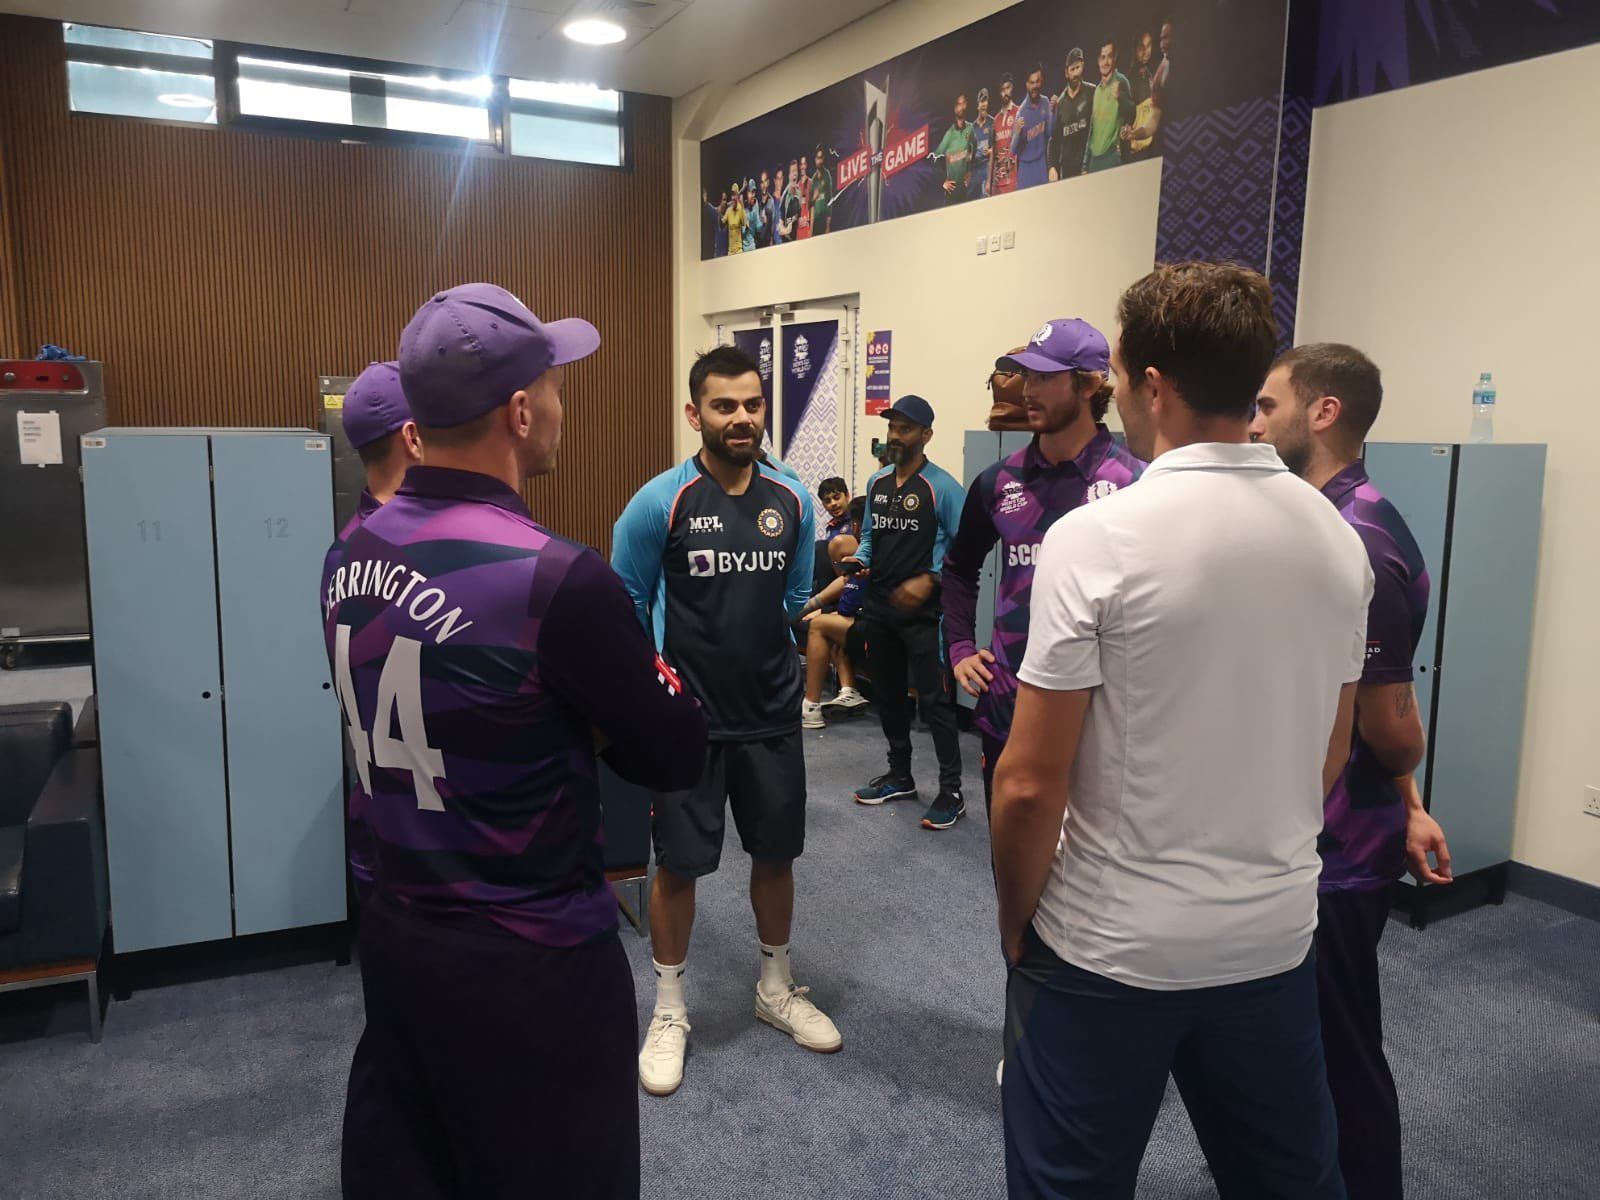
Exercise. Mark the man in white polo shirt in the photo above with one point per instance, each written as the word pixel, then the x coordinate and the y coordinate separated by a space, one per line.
pixel 1186 702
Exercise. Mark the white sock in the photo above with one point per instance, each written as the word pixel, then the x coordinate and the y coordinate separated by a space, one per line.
pixel 669 989
pixel 776 978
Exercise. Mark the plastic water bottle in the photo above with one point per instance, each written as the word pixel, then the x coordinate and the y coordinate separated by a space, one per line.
pixel 1482 410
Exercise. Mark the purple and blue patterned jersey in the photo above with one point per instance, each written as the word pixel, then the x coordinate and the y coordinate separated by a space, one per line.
pixel 1363 842
pixel 479 658
pixel 1014 501
pixel 358 840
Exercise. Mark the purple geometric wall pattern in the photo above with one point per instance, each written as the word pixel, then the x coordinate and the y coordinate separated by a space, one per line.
pixel 1216 185
pixel 1289 214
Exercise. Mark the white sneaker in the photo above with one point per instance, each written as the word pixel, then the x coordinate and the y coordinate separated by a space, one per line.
pixel 802 1020
pixel 811 715
pixel 847 699
pixel 661 1060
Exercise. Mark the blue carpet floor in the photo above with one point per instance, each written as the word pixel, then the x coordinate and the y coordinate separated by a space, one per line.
pixel 233 1087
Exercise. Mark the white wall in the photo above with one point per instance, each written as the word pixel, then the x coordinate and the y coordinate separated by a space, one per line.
pixel 1079 244
pixel 1447 234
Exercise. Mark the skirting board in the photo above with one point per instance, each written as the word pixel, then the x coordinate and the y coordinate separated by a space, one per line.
pixel 1573 896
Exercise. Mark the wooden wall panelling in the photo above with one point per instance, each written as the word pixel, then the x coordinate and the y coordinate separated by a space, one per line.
pixel 218 272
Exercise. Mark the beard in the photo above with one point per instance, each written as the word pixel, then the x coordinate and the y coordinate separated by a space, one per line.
pixel 1296 452
pixel 716 442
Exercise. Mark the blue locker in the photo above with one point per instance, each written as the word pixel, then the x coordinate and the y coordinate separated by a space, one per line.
pixel 274 521
pixel 1476 511
pixel 220 732
pixel 158 676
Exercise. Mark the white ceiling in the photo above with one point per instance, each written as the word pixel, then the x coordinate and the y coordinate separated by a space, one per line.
pixel 673 46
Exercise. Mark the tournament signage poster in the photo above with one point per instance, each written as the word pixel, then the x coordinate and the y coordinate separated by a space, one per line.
pixel 880 345
pixel 1040 93
pixel 806 347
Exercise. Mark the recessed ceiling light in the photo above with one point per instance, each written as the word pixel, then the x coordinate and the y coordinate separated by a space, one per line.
pixel 184 100
pixel 593 31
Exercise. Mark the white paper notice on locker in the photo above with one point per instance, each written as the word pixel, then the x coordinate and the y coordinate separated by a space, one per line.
pixel 39 438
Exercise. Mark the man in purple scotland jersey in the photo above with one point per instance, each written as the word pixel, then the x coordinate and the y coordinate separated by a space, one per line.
pixel 1072 460
pixel 378 423
pixel 480 662
pixel 1316 407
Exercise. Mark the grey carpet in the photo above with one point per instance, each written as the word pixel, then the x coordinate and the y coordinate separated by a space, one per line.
pixel 233 1087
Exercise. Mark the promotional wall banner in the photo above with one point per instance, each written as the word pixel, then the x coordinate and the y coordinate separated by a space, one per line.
pixel 1041 92
pixel 810 391
pixel 880 345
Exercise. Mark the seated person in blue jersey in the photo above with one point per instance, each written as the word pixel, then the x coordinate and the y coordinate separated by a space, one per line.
pixel 834 493
pixel 377 421
pixel 913 508
pixel 716 554
pixel 480 659
pixel 828 617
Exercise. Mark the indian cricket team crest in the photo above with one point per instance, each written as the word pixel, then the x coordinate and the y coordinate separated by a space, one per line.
pixel 801 366
pixel 770 522
pixel 1099 490
pixel 912 502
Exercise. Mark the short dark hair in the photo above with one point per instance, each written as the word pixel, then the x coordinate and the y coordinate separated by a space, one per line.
pixel 833 485
pixel 1207 327
pixel 1036 69
pixel 729 362
pixel 1110 41
pixel 1334 369
pixel 377 450
pixel 858 510
pixel 453 437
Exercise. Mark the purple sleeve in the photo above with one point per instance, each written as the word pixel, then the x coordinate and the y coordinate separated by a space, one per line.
pixel 595 657
pixel 963 562
pixel 1391 637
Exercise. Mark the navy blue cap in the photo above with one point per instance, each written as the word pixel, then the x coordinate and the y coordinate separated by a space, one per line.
pixel 914 409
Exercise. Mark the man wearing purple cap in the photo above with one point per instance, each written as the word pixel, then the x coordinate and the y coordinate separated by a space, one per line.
pixel 480 661
pixel 1071 461
pixel 378 424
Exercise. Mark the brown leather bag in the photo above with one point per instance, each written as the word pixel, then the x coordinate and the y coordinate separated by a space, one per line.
pixel 1007 412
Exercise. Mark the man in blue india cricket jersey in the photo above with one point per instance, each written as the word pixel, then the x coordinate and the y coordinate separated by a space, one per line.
pixel 480 661
pixel 913 508
pixel 717 556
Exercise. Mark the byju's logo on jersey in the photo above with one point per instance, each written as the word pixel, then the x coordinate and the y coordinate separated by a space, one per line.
pixel 705 524
pixel 770 522
pixel 702 564
pixel 1099 490
pixel 800 367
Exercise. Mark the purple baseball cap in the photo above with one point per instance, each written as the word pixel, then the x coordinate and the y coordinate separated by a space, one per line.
pixel 374 405
pixel 470 347
pixel 1065 344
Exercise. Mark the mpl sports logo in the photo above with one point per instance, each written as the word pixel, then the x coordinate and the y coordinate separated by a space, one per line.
pixel 705 524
